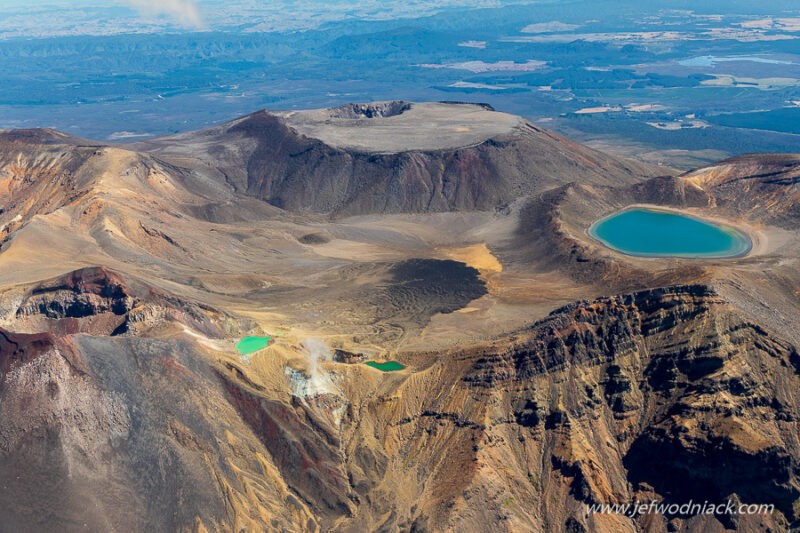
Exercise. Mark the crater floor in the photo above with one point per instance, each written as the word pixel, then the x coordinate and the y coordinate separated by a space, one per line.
pixel 422 126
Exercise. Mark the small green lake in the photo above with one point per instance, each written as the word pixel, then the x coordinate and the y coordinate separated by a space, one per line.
pixel 656 233
pixel 388 366
pixel 249 345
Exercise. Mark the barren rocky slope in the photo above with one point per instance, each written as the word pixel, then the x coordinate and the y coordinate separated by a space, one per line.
pixel 519 434
pixel 759 184
pixel 544 371
pixel 392 157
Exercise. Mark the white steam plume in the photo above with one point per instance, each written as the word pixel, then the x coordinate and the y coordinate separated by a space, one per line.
pixel 317 352
pixel 184 12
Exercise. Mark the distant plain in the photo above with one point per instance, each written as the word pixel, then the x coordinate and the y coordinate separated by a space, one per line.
pixel 670 82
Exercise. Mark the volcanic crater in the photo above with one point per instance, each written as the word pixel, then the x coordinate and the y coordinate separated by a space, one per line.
pixel 542 369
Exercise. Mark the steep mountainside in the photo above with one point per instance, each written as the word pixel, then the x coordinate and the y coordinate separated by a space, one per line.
pixel 763 185
pixel 41 171
pixel 516 435
pixel 669 392
pixel 541 372
pixel 356 160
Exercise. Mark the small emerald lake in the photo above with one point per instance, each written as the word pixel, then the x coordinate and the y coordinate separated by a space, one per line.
pixel 387 366
pixel 656 233
pixel 249 345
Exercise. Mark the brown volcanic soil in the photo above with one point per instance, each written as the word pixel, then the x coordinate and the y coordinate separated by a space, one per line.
pixel 428 158
pixel 763 186
pixel 126 277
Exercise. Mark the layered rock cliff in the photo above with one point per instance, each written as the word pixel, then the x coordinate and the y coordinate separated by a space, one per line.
pixel 128 277
pixel 763 186
pixel 667 394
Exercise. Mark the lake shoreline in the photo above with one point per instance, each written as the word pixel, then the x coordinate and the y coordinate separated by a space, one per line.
pixel 751 242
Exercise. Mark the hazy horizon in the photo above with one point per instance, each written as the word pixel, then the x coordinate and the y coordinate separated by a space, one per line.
pixel 679 82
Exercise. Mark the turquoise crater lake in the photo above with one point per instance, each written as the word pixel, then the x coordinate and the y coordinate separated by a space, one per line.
pixel 657 233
